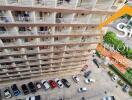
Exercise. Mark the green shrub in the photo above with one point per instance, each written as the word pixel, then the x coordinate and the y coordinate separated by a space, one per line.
pixel 130 93
pixel 120 82
pixel 97 53
pixel 110 73
pixel 111 39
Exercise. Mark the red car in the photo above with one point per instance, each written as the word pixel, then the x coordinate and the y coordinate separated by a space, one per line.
pixel 52 83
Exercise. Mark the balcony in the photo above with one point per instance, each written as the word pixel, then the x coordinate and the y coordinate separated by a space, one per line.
pixel 63 20
pixel 80 20
pixel 26 32
pixel 86 5
pixel 5 19
pixel 23 19
pixel 44 32
pixel 20 2
pixel 8 33
pixel 103 6
pixel 12 43
pixel 44 3
pixel 31 51
pixel 44 20
pixel 66 3
pixel 61 32
pixel 76 31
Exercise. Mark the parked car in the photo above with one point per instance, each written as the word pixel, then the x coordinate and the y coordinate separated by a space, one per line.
pixel 25 89
pixel 45 84
pixel 126 88
pixel 87 74
pixel 82 89
pixel 38 97
pixel 15 90
pixel 59 83
pixel 90 80
pixel 31 87
pixel 38 85
pixel 83 98
pixel 109 98
pixel 0 94
pixel 7 93
pixel 52 84
pixel 75 78
pixel 62 98
pixel 96 62
pixel 66 83
pixel 114 77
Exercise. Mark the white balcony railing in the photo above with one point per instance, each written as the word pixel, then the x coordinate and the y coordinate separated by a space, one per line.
pixel 49 3
pixel 62 32
pixel 5 19
pixel 19 2
pixel 64 3
pixel 103 6
pixel 80 20
pixel 23 19
pixel 43 32
pixel 86 5
pixel 63 20
pixel 74 31
pixel 44 19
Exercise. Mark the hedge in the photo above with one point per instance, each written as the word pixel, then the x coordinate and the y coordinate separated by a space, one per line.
pixel 127 76
pixel 111 39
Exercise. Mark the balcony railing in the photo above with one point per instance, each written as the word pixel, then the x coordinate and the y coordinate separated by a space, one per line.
pixel 86 5
pixel 80 20
pixel 23 19
pixel 61 32
pixel 74 31
pixel 44 19
pixel 48 3
pixel 44 32
pixel 103 6
pixel 63 20
pixel 64 3
pixel 5 19
pixel 19 2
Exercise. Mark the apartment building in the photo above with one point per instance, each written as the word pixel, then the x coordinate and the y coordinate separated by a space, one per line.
pixel 40 37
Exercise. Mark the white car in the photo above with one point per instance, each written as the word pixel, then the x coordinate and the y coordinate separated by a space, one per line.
pixel 7 94
pixel 82 89
pixel 45 84
pixel 109 98
pixel 75 78
pixel 59 83
pixel 114 78
pixel 89 80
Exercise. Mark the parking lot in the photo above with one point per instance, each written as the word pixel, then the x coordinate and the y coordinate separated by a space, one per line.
pixel 103 86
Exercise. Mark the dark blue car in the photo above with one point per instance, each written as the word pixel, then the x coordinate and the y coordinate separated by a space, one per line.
pixel 15 90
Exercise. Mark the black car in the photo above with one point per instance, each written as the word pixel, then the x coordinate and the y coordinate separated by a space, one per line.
pixel 96 62
pixel 66 83
pixel 126 88
pixel 87 74
pixel 31 87
pixel 25 89
pixel 15 90
pixel 38 97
